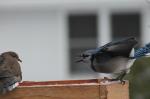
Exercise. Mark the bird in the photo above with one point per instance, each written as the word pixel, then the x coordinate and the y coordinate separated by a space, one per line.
pixel 10 71
pixel 143 51
pixel 115 58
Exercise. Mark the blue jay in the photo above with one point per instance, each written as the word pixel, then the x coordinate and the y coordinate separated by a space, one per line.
pixel 115 57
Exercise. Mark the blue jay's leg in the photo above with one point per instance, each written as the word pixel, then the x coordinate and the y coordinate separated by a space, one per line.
pixel 120 77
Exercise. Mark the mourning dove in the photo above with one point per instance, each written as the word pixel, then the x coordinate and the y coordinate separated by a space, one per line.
pixel 10 71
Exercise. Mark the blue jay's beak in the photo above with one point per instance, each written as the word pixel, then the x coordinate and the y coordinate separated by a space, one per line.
pixel 80 58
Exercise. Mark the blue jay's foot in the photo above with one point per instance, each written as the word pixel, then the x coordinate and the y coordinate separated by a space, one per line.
pixel 108 81
pixel 120 80
pixel 105 80
pixel 123 82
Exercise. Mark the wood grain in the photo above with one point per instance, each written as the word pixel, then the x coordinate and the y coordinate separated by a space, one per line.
pixel 74 89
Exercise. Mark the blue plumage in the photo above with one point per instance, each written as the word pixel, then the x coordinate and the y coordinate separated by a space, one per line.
pixel 143 51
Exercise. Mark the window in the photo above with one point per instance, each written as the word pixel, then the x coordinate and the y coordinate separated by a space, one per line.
pixel 125 25
pixel 82 34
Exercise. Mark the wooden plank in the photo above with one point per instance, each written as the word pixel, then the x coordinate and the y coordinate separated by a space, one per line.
pixel 73 89
pixel 118 91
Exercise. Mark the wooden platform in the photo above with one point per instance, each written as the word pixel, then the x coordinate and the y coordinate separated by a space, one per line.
pixel 69 89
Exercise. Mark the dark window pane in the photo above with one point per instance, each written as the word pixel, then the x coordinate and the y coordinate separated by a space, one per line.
pixel 82 25
pixel 125 24
pixel 82 34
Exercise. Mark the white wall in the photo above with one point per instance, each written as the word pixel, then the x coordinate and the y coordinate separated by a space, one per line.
pixel 146 25
pixel 38 37
pixel 37 31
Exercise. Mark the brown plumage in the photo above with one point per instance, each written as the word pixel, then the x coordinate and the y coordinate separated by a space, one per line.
pixel 10 71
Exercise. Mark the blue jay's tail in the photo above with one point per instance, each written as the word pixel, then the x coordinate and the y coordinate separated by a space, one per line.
pixel 144 51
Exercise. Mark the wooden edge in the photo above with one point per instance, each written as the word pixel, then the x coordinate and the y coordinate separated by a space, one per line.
pixel 68 89
pixel 60 82
pixel 66 82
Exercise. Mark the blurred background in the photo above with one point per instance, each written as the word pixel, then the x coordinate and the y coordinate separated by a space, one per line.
pixel 48 35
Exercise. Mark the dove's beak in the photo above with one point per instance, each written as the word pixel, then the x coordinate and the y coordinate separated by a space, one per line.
pixel 19 60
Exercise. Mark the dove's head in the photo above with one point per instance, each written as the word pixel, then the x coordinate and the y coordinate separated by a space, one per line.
pixel 12 54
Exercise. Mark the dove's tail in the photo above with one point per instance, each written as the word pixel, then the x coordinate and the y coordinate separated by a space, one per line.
pixel 143 51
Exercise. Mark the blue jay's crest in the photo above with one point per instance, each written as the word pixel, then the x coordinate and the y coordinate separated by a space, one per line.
pixel 143 51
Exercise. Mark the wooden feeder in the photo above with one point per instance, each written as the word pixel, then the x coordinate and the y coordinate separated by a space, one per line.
pixel 69 89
